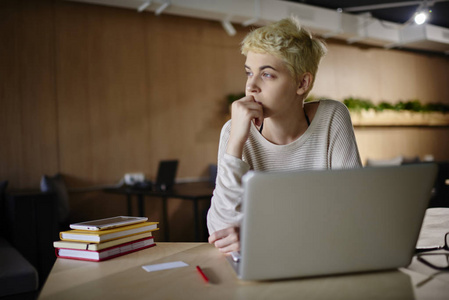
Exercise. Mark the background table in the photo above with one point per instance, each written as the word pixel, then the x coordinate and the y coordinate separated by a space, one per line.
pixel 194 191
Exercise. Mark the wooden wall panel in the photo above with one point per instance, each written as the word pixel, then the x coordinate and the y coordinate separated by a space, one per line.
pixel 347 71
pixel 398 76
pixel 37 91
pixel 10 117
pixel 381 75
pixel 30 100
pixel 101 82
pixel 189 81
pixel 432 76
pixel 410 142
pixel 117 81
pixel 72 84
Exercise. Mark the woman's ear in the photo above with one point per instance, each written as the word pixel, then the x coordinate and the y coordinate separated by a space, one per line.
pixel 305 83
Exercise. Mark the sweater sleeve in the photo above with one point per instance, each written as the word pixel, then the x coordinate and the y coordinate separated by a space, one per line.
pixel 225 209
pixel 343 150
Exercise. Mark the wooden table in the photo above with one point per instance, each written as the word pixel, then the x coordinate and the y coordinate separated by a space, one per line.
pixel 124 278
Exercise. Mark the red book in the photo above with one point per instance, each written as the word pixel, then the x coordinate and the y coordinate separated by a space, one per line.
pixel 107 253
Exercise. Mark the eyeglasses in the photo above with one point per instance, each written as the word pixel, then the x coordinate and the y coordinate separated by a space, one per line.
pixel 438 261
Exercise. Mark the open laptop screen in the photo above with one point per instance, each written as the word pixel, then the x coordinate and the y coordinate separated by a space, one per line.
pixel 166 174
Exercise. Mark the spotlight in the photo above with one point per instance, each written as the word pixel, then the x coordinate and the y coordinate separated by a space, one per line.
pixel 161 8
pixel 144 5
pixel 228 27
pixel 420 18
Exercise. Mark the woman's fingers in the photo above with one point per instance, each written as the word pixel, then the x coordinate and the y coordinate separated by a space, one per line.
pixel 244 111
pixel 230 248
pixel 217 235
pixel 247 109
pixel 226 240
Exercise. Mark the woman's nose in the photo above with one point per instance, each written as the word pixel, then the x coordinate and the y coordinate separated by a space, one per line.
pixel 252 87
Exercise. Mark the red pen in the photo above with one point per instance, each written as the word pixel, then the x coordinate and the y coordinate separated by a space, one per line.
pixel 202 274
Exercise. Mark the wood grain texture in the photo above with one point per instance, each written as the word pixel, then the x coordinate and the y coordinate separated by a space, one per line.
pixel 382 75
pixel 101 86
pixel 29 120
pixel 123 277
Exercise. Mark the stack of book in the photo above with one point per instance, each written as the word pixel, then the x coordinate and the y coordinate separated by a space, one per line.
pixel 99 245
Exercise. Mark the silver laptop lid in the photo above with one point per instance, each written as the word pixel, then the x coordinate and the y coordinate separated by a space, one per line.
pixel 311 223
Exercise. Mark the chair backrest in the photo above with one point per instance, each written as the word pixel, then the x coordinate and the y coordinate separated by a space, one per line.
pixel 212 173
pixel 56 184
pixel 3 185
pixel 441 190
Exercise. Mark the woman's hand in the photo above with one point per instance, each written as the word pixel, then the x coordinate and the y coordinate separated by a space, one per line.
pixel 244 111
pixel 226 240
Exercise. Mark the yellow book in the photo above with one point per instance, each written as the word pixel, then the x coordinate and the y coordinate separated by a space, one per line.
pixel 101 246
pixel 108 234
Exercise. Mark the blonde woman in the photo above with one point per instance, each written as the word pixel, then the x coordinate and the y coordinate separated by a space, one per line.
pixel 271 128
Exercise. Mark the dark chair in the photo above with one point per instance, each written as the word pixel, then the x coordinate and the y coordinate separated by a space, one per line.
pixel 3 223
pixel 212 173
pixel 212 179
pixel 18 278
pixel 440 196
pixel 56 184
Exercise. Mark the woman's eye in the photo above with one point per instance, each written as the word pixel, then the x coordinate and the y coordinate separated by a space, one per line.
pixel 248 74
pixel 267 75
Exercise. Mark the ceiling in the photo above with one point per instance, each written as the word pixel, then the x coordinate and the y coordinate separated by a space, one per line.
pixel 402 13
pixel 387 27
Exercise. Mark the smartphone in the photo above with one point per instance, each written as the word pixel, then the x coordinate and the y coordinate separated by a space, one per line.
pixel 108 223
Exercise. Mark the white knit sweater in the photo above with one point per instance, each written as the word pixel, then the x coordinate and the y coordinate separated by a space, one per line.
pixel 328 143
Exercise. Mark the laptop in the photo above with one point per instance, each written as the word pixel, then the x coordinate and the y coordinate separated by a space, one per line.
pixel 318 223
pixel 166 174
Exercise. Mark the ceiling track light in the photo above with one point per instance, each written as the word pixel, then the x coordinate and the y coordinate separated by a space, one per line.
pixel 161 8
pixel 144 6
pixel 420 17
pixel 230 30
pixel 389 5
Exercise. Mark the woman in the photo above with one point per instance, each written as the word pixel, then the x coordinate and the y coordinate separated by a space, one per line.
pixel 271 129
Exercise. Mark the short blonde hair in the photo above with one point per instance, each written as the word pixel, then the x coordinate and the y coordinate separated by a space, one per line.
pixel 290 42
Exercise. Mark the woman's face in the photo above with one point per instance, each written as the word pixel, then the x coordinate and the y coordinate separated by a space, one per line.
pixel 271 84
